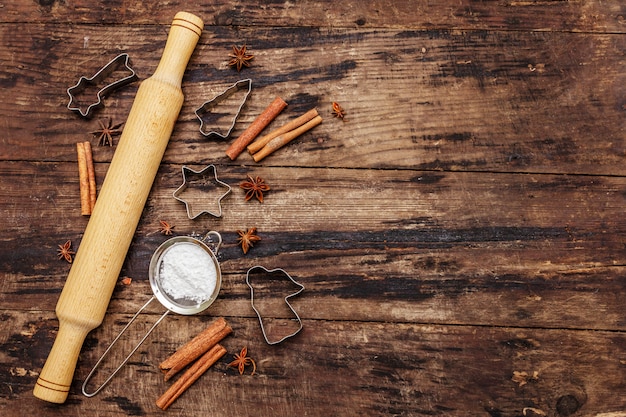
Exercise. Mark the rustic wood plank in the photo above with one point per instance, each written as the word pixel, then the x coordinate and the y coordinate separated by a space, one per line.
pixel 583 16
pixel 479 101
pixel 357 368
pixel 397 245
pixel 463 224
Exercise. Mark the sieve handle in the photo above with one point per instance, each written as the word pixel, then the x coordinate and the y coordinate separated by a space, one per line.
pixel 110 377
pixel 216 247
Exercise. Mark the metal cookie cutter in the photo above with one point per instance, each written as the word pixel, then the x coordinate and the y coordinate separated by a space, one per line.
pixel 285 274
pixel 209 105
pixel 200 186
pixel 117 63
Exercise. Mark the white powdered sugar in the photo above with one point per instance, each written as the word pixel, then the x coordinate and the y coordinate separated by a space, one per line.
pixel 187 272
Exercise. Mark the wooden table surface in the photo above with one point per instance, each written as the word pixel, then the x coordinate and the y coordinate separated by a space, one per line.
pixel 460 235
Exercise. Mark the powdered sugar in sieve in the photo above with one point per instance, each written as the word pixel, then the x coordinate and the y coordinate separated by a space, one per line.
pixel 187 273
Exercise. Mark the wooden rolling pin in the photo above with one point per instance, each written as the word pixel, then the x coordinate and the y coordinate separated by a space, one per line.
pixel 94 273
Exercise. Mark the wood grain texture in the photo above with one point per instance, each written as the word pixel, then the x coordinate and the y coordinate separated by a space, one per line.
pixel 559 15
pixel 463 225
pixel 486 101
pixel 396 245
pixel 360 368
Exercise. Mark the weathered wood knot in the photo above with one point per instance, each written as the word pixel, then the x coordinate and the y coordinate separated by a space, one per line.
pixel 567 405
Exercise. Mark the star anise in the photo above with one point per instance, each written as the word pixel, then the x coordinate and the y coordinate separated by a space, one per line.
pixel 65 251
pixel 165 227
pixel 338 111
pixel 240 58
pixel 107 131
pixel 254 187
pixel 242 360
pixel 246 239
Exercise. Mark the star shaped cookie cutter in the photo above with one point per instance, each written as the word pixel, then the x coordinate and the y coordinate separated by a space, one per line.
pixel 122 61
pixel 207 106
pixel 188 172
pixel 285 274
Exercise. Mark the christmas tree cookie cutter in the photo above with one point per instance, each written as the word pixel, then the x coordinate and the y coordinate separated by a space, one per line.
pixel 279 273
pixel 209 105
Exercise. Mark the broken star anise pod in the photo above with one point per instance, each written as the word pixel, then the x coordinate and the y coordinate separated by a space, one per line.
pixel 240 58
pixel 65 251
pixel 107 131
pixel 338 111
pixel 165 228
pixel 246 239
pixel 254 187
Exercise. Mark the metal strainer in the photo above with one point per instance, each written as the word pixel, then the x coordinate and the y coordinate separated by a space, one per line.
pixel 175 290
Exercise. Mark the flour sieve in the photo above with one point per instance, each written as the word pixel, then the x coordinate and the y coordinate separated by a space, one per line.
pixel 185 278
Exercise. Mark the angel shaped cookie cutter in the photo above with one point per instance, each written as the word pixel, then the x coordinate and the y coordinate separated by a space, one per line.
pixel 278 272
pixel 203 184
pixel 122 61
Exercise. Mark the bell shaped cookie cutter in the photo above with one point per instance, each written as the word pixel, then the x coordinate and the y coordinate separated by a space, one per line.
pixel 119 62
pixel 283 273
pixel 210 104
pixel 190 172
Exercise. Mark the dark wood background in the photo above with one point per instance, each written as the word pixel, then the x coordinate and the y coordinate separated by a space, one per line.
pixel 464 224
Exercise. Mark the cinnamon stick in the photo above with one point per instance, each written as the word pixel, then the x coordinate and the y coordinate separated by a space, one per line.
pixel 284 139
pixel 91 175
pixel 256 146
pixel 190 376
pixel 256 127
pixel 83 177
pixel 204 341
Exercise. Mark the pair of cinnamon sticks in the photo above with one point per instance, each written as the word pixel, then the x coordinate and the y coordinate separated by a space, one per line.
pixel 86 177
pixel 275 139
pixel 205 348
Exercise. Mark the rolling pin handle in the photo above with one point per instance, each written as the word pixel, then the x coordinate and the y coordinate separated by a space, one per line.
pixel 55 379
